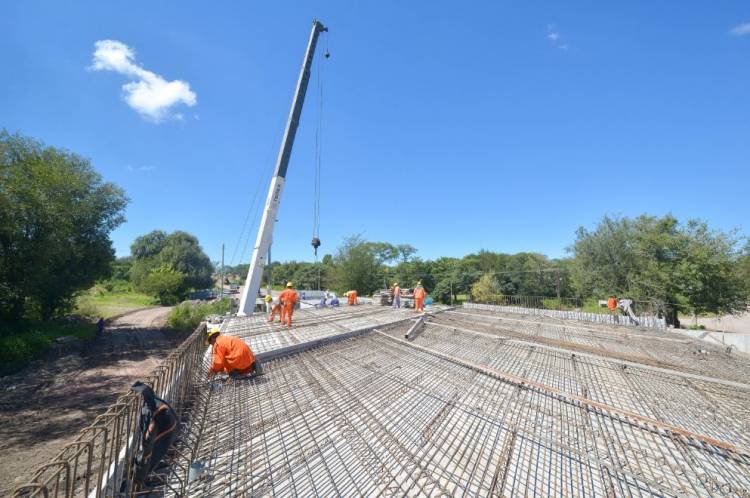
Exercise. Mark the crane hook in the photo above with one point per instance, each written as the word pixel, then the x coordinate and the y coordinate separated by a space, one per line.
pixel 315 243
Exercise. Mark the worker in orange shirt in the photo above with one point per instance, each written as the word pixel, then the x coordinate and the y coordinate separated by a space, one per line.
pixel 419 295
pixel 612 303
pixel 289 298
pixel 231 355
pixel 352 295
pixel 276 309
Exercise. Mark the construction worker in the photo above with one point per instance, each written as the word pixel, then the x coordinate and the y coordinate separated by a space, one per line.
pixel 352 297
pixel 269 303
pixel 612 303
pixel 289 298
pixel 231 355
pixel 276 309
pixel 334 299
pixel 157 423
pixel 419 295
pixel 396 295
pixel 627 307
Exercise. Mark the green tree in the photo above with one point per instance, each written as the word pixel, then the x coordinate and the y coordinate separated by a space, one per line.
pixel 183 253
pixel 165 284
pixel 485 290
pixel 709 271
pixel 148 246
pixel 180 252
pixel 56 214
pixel 679 267
pixel 357 266
pixel 454 276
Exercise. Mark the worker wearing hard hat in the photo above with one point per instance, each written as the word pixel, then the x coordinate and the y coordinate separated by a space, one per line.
pixel 268 300
pixel 289 298
pixel 419 295
pixel 231 355
pixel 396 295
pixel 352 297
pixel 276 309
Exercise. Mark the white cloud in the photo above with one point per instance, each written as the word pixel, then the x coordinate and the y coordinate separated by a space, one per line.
pixel 146 169
pixel 741 30
pixel 555 38
pixel 149 94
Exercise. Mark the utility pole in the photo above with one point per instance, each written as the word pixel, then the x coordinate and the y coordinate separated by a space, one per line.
pixel 265 231
pixel 221 274
pixel 557 279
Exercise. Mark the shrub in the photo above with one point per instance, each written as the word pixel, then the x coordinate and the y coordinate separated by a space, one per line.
pixel 22 346
pixel 187 315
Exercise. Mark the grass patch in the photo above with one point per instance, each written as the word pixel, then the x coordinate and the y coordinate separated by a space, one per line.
pixel 187 316
pixel 98 301
pixel 30 341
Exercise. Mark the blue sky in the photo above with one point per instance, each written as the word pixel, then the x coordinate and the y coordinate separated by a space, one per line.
pixel 452 126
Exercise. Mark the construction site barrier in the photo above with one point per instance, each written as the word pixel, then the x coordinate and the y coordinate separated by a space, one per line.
pixel 100 459
pixel 643 320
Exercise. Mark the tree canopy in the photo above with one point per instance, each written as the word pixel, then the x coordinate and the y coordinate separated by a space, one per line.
pixel 56 214
pixel 687 267
pixel 168 265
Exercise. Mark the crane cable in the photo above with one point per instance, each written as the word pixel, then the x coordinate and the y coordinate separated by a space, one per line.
pixel 317 160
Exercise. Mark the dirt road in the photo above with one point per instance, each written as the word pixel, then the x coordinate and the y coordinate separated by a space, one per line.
pixel 43 407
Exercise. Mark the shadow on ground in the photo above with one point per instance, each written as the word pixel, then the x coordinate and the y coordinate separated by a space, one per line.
pixel 43 407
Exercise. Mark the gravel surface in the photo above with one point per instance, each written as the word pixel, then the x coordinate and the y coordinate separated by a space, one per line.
pixel 43 407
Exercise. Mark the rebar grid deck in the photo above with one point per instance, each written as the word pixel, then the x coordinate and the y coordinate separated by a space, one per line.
pixel 647 346
pixel 375 416
pixel 309 325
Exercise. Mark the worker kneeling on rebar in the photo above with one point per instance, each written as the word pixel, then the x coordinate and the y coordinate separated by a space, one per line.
pixel 231 355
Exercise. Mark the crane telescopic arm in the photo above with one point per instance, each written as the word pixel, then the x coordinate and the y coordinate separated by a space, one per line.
pixel 265 231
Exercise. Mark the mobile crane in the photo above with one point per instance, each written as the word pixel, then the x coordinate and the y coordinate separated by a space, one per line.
pixel 265 231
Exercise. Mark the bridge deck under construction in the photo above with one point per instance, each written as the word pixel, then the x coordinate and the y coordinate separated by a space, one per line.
pixel 474 404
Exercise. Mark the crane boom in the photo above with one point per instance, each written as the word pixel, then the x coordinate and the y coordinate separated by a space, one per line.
pixel 265 231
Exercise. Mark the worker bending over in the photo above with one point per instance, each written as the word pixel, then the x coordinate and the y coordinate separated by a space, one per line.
pixel 157 423
pixel 352 297
pixel 396 295
pixel 289 298
pixel 231 355
pixel 276 309
pixel 268 300
pixel 419 295
pixel 612 304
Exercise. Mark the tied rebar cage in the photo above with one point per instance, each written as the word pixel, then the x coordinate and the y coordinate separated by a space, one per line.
pixel 100 460
pixel 645 313
pixel 370 401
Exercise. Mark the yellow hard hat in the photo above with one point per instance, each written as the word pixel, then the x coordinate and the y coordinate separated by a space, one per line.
pixel 209 334
pixel 395 284
pixel 289 284
pixel 419 283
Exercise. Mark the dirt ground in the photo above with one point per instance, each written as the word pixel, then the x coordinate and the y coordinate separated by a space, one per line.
pixel 44 406
pixel 726 323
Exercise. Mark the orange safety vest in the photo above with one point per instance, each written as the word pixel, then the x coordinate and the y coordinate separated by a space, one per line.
pixel 231 353
pixel 289 297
